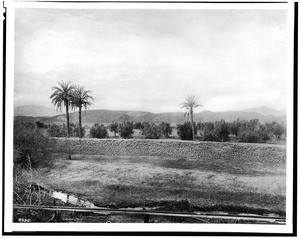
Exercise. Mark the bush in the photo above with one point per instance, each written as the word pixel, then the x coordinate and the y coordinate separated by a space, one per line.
pixel 31 146
pixel 221 131
pixel 113 127
pixel 208 131
pixel 165 129
pixel 200 126
pixel 275 129
pixel 26 192
pixel 137 125
pixel 74 130
pixel 253 132
pixel 99 131
pixel 126 130
pixel 235 126
pixel 40 124
pixel 55 130
pixel 151 131
pixel 184 131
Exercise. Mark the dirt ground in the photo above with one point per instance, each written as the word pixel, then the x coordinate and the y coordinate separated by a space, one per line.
pixel 152 181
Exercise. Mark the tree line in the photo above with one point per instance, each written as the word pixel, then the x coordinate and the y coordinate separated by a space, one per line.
pixel 250 131
pixel 124 130
pixel 71 97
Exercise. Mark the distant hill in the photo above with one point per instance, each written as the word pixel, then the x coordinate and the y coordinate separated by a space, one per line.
pixel 230 116
pixel 109 116
pixel 34 111
pixel 266 111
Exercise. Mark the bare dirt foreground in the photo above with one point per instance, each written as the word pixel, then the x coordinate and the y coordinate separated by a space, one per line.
pixel 119 182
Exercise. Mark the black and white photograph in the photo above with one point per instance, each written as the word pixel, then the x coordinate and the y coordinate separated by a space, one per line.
pixel 145 117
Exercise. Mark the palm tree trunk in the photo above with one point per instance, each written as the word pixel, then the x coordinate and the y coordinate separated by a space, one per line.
pixel 68 127
pixel 192 122
pixel 68 120
pixel 80 136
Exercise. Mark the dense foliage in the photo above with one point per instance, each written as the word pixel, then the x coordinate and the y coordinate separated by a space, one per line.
pixel 185 130
pixel 31 145
pixel 165 129
pixel 248 131
pixel 55 130
pixel 113 127
pixel 253 132
pixel 125 130
pixel 151 131
pixel 138 125
pixel 99 131
pixel 218 131
pixel 40 124
pixel 275 129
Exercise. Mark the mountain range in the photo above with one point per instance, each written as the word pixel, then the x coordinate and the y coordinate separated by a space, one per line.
pixel 47 115
pixel 35 111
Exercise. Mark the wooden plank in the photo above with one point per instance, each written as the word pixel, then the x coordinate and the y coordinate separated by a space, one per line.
pixel 107 211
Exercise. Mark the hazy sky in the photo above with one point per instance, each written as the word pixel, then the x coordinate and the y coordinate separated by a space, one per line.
pixel 151 59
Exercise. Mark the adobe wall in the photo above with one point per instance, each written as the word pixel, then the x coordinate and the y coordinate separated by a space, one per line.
pixel 264 153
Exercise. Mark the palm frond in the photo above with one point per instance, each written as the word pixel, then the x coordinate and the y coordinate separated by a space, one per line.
pixel 81 97
pixel 190 103
pixel 61 94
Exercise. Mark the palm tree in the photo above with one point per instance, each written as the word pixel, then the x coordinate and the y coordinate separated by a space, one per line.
pixel 80 98
pixel 61 97
pixel 190 103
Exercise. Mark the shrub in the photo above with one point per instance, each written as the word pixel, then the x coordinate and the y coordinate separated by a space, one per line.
pixel 137 125
pixel 221 131
pixel 184 131
pixel 31 146
pixel 99 131
pixel 253 132
pixel 26 192
pixel 126 130
pixel 40 124
pixel 55 130
pixel 165 129
pixel 200 126
pixel 275 129
pixel 151 131
pixel 235 126
pixel 113 127
pixel 208 131
pixel 74 130
pixel 279 130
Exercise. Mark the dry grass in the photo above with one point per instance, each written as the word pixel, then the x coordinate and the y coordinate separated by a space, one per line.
pixel 152 181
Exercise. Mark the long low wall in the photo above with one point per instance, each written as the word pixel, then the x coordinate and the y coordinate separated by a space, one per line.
pixel 265 153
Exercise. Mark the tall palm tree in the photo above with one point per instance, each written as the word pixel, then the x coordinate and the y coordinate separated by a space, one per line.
pixel 190 103
pixel 61 97
pixel 81 98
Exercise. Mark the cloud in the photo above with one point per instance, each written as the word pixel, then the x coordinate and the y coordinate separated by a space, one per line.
pixel 151 59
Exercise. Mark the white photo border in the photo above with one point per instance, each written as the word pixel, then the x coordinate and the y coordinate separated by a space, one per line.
pixel 9 226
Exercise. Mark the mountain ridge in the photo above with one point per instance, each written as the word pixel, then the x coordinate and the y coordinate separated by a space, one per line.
pixel 108 116
pixel 266 111
pixel 35 111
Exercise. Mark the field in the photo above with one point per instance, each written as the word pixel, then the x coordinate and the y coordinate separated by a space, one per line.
pixel 120 182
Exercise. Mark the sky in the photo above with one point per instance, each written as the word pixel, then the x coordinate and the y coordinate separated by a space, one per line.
pixel 150 60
